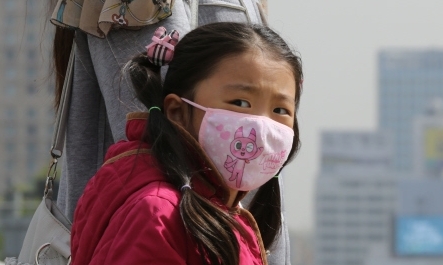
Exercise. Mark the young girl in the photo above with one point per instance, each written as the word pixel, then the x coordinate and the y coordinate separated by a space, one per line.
pixel 222 123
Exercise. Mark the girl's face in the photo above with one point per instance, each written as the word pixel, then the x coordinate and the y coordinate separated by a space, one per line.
pixel 252 83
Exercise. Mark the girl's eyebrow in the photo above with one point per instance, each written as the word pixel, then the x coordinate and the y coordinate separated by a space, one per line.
pixel 286 98
pixel 244 87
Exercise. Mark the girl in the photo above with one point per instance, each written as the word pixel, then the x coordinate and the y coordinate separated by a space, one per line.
pixel 222 123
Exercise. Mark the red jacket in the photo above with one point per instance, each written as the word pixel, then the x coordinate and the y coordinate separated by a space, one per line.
pixel 129 214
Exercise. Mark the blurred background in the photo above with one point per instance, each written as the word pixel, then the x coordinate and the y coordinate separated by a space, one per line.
pixel 367 185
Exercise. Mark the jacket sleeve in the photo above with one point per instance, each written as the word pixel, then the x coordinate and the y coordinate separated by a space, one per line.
pixel 149 231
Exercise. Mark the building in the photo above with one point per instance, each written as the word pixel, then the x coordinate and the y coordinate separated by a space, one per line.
pixel 417 226
pixel 26 112
pixel 378 198
pixel 348 152
pixel 355 196
pixel 428 141
pixel 407 81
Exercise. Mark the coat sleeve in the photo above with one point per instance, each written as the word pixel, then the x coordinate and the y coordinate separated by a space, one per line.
pixel 149 231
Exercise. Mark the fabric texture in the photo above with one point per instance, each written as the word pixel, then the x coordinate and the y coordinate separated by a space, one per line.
pixel 99 17
pixel 101 97
pixel 129 214
pixel 248 150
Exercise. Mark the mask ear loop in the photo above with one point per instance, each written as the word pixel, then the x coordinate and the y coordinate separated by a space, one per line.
pixel 194 104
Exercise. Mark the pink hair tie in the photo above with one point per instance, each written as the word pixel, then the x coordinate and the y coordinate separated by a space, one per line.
pixel 161 49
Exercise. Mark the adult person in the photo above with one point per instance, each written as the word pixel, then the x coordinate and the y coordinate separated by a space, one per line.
pixel 101 97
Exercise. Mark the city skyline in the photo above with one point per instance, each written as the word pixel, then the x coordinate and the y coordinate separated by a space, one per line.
pixel 362 196
pixel 338 43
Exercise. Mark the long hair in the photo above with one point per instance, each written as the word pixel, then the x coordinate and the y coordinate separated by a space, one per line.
pixel 61 50
pixel 196 56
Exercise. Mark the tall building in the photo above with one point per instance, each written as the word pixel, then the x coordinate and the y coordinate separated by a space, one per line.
pixel 407 81
pixel 355 196
pixel 378 194
pixel 428 141
pixel 416 237
pixel 26 112
pixel 355 152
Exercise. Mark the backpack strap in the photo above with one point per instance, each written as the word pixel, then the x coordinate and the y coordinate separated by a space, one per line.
pixel 127 153
pixel 194 14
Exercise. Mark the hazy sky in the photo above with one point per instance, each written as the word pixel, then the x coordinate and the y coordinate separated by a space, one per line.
pixel 338 42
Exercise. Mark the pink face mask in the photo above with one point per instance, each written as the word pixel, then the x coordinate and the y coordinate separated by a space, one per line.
pixel 248 150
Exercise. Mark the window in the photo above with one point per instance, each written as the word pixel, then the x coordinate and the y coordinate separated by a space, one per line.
pixel 375 211
pixel 352 211
pixel 328 223
pixel 328 210
pixel 329 249
pixel 331 237
pixel 375 237
pixel 375 198
pixel 329 262
pixel 352 224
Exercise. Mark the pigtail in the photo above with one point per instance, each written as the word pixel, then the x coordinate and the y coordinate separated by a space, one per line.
pixel 212 228
pixel 266 209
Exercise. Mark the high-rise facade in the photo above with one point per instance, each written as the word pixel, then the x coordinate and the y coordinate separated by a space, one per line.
pixel 26 112
pixel 407 80
pixel 428 141
pixel 364 187
pixel 355 196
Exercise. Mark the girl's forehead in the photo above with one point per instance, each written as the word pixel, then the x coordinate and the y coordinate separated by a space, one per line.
pixel 249 73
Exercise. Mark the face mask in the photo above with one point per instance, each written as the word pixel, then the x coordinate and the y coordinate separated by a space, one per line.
pixel 248 150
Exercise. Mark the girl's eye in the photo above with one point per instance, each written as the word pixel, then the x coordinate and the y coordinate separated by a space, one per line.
pixel 281 111
pixel 241 103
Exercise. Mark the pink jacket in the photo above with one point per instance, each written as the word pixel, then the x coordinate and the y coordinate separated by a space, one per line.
pixel 129 214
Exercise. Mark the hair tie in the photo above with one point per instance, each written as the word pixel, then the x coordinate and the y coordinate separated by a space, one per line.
pixel 161 50
pixel 184 187
pixel 155 107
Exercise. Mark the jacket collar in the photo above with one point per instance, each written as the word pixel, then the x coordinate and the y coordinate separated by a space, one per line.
pixel 209 183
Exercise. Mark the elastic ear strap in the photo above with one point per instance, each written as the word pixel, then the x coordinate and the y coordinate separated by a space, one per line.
pixel 194 104
pixel 58 138
pixel 194 14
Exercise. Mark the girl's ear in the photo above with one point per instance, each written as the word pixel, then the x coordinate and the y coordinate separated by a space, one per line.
pixel 176 109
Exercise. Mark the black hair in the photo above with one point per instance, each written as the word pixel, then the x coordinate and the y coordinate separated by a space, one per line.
pixel 195 59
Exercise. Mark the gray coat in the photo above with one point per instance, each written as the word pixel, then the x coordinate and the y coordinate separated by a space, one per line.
pixel 101 98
